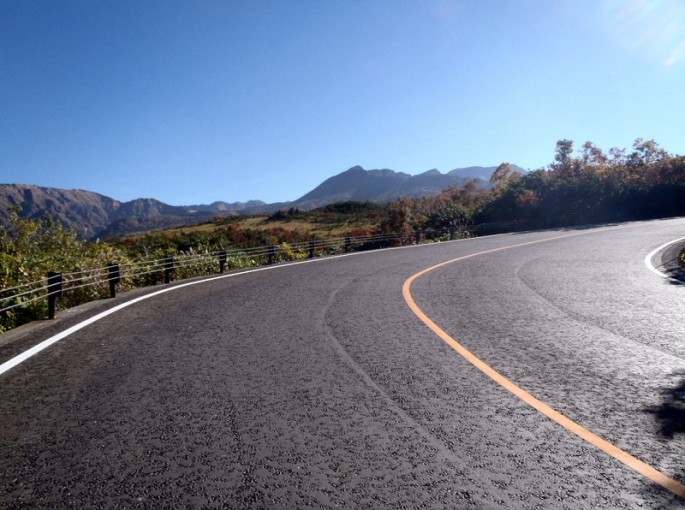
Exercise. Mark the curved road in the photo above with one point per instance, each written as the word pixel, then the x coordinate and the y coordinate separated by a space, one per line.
pixel 315 385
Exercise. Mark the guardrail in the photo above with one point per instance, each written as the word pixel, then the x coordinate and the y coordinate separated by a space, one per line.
pixel 107 279
pixel 104 281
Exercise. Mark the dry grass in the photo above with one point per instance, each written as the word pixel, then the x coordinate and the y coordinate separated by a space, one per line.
pixel 310 227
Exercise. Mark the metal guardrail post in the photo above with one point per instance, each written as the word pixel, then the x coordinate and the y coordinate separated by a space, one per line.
pixel 114 277
pixel 54 292
pixel 55 280
pixel 168 269
pixel 222 261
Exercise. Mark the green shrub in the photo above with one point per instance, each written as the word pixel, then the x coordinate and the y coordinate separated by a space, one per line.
pixel 30 248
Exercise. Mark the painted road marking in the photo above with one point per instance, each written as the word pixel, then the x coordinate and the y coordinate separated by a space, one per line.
pixel 20 358
pixel 8 365
pixel 622 456
pixel 653 269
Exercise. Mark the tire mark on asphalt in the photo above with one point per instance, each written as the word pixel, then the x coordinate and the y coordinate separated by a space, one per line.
pixel 622 456
pixel 442 449
pixel 577 317
pixel 29 353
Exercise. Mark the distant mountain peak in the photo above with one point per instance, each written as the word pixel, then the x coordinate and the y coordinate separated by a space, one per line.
pixel 93 215
pixel 385 185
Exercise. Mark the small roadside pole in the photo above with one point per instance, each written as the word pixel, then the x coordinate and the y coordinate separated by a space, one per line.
pixel 418 236
pixel 168 269
pixel 272 254
pixel 222 261
pixel 312 248
pixel 113 277
pixel 348 244
pixel 54 292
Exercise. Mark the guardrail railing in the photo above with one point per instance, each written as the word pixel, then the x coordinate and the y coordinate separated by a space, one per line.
pixel 104 281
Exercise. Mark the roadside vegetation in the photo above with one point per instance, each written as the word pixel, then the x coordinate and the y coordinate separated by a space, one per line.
pixel 29 248
pixel 588 186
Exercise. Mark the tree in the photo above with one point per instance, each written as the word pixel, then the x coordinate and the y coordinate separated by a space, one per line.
pixel 502 175
pixel 563 154
pixel 449 216
pixel 646 153
pixel 397 220
pixel 593 155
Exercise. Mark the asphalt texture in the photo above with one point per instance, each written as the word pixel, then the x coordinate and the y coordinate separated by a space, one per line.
pixel 315 385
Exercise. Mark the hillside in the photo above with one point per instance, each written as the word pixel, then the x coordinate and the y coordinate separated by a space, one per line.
pixel 353 184
pixel 96 216
pixel 83 211
pixel 387 185
pixel 93 215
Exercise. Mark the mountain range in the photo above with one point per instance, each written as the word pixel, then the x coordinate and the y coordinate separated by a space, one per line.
pixel 97 216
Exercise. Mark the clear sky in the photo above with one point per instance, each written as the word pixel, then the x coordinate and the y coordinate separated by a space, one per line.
pixel 192 101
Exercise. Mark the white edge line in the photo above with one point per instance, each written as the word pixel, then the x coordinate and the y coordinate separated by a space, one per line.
pixel 60 336
pixel 13 362
pixel 650 256
pixel 20 358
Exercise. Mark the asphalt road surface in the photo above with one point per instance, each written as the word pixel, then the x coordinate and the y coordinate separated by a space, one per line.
pixel 316 386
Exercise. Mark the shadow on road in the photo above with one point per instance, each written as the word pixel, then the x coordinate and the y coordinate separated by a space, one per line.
pixel 670 418
pixel 670 414
pixel 677 279
pixel 668 262
pixel 675 275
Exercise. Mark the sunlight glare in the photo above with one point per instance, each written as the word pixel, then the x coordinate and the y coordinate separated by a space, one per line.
pixel 651 29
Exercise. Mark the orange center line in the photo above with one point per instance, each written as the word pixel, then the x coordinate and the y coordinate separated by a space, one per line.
pixel 622 456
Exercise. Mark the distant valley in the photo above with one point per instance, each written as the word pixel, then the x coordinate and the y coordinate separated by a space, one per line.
pixel 97 216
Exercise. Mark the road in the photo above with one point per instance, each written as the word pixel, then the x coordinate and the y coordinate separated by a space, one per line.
pixel 315 385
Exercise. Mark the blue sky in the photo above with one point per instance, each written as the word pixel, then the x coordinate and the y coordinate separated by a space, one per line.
pixel 196 101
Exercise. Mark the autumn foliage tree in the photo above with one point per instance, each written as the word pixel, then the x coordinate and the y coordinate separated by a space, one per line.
pixel 592 186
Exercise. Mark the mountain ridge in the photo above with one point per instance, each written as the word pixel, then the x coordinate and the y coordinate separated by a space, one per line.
pixel 93 215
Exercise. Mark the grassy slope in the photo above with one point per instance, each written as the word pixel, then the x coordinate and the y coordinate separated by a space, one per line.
pixel 319 224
